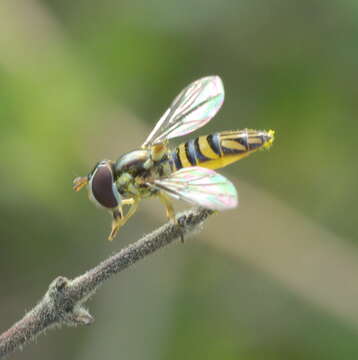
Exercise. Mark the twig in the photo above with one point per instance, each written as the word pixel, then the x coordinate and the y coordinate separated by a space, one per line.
pixel 63 302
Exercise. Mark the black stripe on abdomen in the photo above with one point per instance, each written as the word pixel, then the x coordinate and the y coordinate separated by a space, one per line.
pixel 190 152
pixel 199 155
pixel 177 162
pixel 214 142
pixel 242 139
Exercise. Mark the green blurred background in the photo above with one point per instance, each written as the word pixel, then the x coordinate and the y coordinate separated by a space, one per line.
pixel 85 80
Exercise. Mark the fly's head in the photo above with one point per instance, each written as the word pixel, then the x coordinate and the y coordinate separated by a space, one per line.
pixel 101 185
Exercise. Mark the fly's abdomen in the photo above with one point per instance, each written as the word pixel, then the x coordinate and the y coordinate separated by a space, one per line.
pixel 217 150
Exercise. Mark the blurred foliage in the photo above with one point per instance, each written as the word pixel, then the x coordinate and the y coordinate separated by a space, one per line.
pixel 66 66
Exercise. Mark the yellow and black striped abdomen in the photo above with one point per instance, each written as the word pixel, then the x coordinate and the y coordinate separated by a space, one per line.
pixel 217 150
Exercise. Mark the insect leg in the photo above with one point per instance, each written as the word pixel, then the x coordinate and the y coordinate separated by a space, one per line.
pixel 130 201
pixel 169 210
pixel 133 202
pixel 116 222
pixel 119 219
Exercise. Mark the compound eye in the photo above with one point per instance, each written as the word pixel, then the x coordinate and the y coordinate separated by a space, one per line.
pixel 102 186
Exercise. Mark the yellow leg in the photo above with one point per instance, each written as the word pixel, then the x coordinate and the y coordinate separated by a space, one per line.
pixel 133 208
pixel 116 222
pixel 169 210
pixel 119 219
pixel 130 201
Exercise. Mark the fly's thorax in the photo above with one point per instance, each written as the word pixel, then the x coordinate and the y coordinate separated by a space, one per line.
pixel 163 167
pixel 134 163
pixel 158 151
pixel 101 185
pixel 130 186
pixel 144 164
pixel 135 168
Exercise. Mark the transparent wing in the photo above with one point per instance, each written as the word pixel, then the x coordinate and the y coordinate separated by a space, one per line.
pixel 190 110
pixel 200 186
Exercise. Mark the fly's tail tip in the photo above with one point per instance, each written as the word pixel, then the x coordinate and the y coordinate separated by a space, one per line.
pixel 270 139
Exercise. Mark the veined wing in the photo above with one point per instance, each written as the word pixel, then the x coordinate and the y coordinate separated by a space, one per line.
pixel 200 186
pixel 190 110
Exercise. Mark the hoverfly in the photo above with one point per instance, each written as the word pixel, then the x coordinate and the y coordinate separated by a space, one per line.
pixel 186 172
